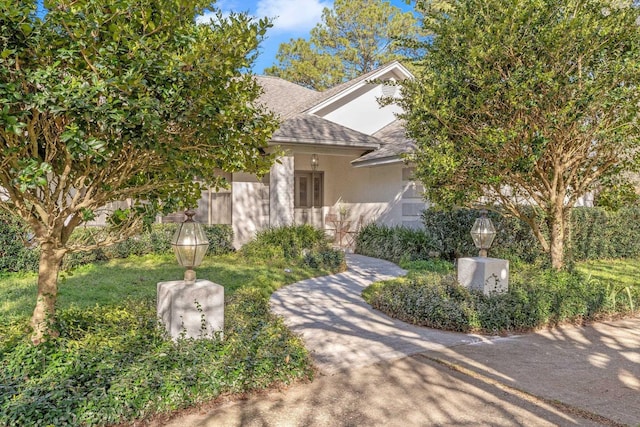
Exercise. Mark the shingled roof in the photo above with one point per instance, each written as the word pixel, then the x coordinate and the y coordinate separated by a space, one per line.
pixel 310 129
pixel 394 144
pixel 284 98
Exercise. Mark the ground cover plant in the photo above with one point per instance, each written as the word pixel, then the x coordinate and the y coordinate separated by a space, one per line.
pixel 537 297
pixel 112 364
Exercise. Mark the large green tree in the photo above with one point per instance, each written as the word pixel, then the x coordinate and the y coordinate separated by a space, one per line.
pixel 354 37
pixel 113 100
pixel 526 102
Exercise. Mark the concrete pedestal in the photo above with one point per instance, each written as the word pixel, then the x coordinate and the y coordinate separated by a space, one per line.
pixel 192 311
pixel 488 275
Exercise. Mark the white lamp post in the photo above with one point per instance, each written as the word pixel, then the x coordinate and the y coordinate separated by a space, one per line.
pixel 190 308
pixel 190 245
pixel 483 232
pixel 488 275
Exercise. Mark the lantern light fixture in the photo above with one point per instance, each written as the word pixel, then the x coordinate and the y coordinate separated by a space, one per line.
pixel 314 162
pixel 483 232
pixel 189 244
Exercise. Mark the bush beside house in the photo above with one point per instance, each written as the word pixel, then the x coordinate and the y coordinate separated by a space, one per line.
pixel 595 234
pixel 18 252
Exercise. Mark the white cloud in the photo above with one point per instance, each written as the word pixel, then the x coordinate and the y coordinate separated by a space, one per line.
pixel 292 15
pixel 226 6
pixel 206 18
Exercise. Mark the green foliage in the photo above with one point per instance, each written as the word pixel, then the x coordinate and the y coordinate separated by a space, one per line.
pixel 354 37
pixel 157 240
pixel 434 265
pixel 16 251
pixel 450 232
pixel 614 196
pixel 17 256
pixel 220 239
pixel 113 364
pixel 596 233
pixel 285 242
pixel 536 298
pixel 394 243
pixel 327 259
pixel 525 101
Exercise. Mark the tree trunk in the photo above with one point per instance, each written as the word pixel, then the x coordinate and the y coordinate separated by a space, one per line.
pixel 557 234
pixel 44 312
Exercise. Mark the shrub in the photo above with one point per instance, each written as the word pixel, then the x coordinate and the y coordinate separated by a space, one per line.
pixel 155 241
pixel 287 242
pixel 18 254
pixel 16 251
pixel 595 234
pixel 113 364
pixel 450 234
pixel 220 239
pixel 327 259
pixel 536 298
pixel 598 234
pixel 394 243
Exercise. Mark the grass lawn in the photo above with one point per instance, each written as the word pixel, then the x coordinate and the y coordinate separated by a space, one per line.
pixel 619 272
pixel 112 364
pixel 136 278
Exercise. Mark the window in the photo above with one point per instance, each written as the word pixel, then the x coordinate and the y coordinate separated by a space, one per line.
pixel 308 189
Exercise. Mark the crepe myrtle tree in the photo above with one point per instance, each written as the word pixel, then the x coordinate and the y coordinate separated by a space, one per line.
pixel 119 100
pixel 526 102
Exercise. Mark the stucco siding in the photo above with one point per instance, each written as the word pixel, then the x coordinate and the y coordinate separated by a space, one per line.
pixel 250 207
pixel 361 111
pixel 374 193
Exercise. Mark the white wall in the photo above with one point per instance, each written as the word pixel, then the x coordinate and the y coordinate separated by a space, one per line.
pixel 281 192
pixel 250 207
pixel 360 111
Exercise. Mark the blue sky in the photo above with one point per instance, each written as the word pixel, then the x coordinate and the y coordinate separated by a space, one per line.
pixel 292 19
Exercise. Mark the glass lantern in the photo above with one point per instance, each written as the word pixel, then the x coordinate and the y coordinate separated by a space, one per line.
pixel 483 232
pixel 189 244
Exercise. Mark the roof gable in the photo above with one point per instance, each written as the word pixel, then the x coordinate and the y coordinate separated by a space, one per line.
pixel 347 116
pixel 393 70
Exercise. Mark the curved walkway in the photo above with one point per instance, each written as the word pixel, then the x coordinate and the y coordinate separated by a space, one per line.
pixel 342 331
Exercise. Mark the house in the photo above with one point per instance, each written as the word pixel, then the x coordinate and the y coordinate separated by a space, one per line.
pixel 342 162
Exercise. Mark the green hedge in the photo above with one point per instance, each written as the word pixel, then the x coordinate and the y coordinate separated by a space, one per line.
pixel 17 255
pixel 450 233
pixel 155 241
pixel 395 244
pixel 599 234
pixel 595 234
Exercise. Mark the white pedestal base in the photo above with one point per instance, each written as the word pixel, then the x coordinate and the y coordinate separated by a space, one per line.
pixel 192 311
pixel 488 275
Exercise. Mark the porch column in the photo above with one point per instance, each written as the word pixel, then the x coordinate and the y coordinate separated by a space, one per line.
pixel 281 183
